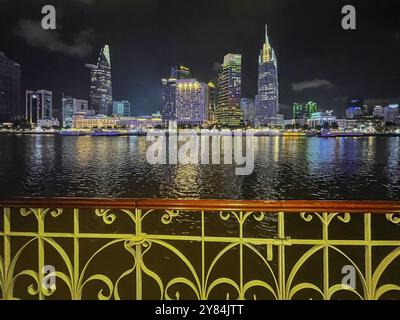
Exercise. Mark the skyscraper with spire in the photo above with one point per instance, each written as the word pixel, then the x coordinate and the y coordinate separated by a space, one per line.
pixel 267 106
pixel 100 97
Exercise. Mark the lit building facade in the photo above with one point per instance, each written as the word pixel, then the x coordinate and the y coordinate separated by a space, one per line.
pixel 82 121
pixel 101 84
pixel 391 113
pixel 121 108
pixel 10 89
pixel 191 102
pixel 228 112
pixel 378 112
pixel 355 108
pixel 168 100
pixel 304 110
pixel 268 87
pixel 321 119
pixel 39 105
pixel 70 106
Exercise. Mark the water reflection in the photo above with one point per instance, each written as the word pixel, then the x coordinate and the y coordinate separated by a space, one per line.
pixel 285 168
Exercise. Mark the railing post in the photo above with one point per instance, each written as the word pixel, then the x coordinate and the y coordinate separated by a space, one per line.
pixel 76 255
pixel 325 237
pixel 40 220
pixel 368 256
pixel 7 254
pixel 203 267
pixel 138 256
pixel 281 261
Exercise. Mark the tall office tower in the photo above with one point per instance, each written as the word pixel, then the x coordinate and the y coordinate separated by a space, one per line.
pixel 249 112
pixel 268 86
pixel 191 102
pixel 100 97
pixel 39 105
pixel 212 101
pixel 355 108
pixel 168 106
pixel 121 108
pixel 70 106
pixel 10 89
pixel 228 112
pixel 304 110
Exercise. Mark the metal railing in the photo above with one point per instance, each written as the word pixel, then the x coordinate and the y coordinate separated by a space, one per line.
pixel 198 249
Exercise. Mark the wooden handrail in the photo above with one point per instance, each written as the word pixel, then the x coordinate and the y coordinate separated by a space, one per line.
pixel 288 206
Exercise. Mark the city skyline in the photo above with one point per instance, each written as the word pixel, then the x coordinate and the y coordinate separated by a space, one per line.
pixel 137 59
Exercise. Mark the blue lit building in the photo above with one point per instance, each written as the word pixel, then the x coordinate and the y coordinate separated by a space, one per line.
pixel 267 106
pixel 355 108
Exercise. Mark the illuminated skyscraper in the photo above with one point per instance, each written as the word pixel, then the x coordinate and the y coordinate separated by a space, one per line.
pixel 100 98
pixel 268 88
pixel 10 85
pixel 168 103
pixel 228 112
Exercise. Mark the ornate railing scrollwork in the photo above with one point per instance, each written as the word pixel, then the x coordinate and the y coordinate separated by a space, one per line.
pixel 179 258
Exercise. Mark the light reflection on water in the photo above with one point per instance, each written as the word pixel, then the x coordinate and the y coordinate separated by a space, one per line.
pixel 285 168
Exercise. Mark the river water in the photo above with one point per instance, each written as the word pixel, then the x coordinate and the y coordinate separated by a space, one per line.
pixel 285 168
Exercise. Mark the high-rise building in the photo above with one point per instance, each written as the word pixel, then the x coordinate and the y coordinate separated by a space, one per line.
pixel 180 72
pixel 212 101
pixel 228 112
pixel 121 108
pixel 268 87
pixel 355 108
pixel 391 113
pixel 304 110
pixel 71 106
pixel 10 89
pixel 100 98
pixel 39 105
pixel 249 110
pixel 191 102
pixel 168 106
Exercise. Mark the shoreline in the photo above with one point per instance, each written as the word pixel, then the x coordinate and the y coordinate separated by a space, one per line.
pixel 301 135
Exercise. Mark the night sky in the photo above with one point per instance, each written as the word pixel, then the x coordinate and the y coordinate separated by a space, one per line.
pixel 318 60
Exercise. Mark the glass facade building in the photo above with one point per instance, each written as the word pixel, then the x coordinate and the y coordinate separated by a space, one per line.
pixel 71 106
pixel 121 108
pixel 228 112
pixel 100 97
pixel 39 105
pixel 268 88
